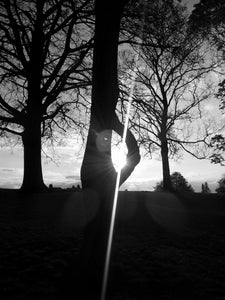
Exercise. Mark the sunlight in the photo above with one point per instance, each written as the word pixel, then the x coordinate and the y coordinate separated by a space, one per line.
pixel 118 158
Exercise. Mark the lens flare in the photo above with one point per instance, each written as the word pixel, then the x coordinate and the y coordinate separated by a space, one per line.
pixel 123 146
pixel 118 158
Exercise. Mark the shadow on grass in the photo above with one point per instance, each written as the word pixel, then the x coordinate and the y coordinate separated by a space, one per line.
pixel 165 246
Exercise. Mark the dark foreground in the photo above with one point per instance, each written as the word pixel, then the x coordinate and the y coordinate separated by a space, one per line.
pixel 165 246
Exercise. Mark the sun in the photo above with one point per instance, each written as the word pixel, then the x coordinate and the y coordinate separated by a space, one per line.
pixel 118 158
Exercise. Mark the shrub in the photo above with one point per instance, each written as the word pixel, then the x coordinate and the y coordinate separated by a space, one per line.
pixel 179 183
pixel 221 185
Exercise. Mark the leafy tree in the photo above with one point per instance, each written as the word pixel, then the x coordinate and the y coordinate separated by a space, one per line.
pixel 43 45
pixel 221 185
pixel 218 145
pixel 179 184
pixel 207 19
pixel 205 188
pixel 169 87
pixel 217 142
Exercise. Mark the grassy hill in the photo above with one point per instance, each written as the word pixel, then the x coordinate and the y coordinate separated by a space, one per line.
pixel 165 246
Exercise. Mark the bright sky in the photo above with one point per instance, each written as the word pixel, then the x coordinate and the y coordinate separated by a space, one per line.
pixel 66 171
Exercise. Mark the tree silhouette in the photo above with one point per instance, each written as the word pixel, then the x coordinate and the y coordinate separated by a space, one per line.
pixel 217 142
pixel 97 158
pixel 42 57
pixel 179 184
pixel 208 20
pixel 98 174
pixel 218 145
pixel 221 185
pixel 169 84
pixel 205 188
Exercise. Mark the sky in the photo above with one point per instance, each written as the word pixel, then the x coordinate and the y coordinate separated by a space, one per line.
pixel 65 170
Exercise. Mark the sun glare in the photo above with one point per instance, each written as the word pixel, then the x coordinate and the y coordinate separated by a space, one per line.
pixel 118 158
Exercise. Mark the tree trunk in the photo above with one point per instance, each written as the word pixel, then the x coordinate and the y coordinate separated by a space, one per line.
pixel 167 185
pixel 101 188
pixel 32 177
pixel 98 174
pixel 97 170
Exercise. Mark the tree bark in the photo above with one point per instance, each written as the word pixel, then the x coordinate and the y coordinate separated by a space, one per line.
pixel 31 138
pixel 167 185
pixel 32 176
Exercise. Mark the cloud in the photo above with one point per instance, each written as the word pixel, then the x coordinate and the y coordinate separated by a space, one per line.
pixel 7 170
pixel 74 177
pixel 52 176
pixel 11 177
pixel 66 173
pixel 16 171
pixel 209 106
pixel 59 179
pixel 137 185
pixel 147 170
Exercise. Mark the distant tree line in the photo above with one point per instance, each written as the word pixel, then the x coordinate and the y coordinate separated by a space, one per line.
pixel 205 188
pixel 180 184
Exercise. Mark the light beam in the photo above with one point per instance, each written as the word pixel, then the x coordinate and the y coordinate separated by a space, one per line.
pixel 115 199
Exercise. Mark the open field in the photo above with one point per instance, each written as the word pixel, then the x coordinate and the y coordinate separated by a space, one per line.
pixel 165 246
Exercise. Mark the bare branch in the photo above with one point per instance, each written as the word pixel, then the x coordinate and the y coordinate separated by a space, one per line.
pixel 10 131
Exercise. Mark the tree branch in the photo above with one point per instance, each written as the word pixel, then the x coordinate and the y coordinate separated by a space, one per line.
pixel 133 156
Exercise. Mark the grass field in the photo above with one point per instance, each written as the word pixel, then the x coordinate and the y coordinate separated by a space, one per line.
pixel 165 246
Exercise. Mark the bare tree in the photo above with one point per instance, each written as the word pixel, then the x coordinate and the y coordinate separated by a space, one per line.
pixel 43 50
pixel 170 86
pixel 207 20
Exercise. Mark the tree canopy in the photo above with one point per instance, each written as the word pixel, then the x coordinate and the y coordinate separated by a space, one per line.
pixel 208 20
pixel 170 83
pixel 179 184
pixel 43 66
pixel 42 49
pixel 221 185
